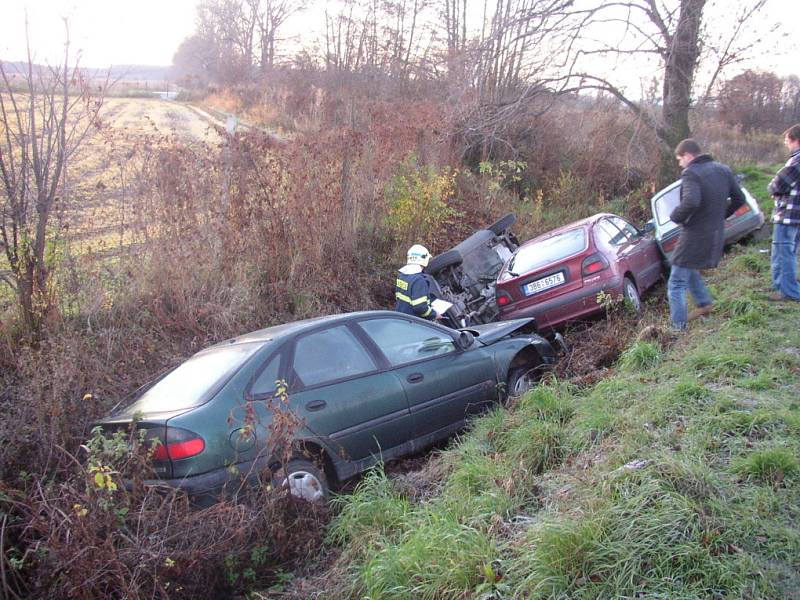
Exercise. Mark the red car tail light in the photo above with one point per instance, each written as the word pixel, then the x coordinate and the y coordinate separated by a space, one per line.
pixel 503 298
pixel 742 210
pixel 670 244
pixel 593 264
pixel 180 443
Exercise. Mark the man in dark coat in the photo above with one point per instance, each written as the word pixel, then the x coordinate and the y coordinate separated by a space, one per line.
pixel 709 194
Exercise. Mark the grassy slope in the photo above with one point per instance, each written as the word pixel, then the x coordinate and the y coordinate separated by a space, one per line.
pixel 678 477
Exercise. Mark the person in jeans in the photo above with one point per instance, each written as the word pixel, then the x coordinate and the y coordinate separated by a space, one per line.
pixel 709 194
pixel 786 221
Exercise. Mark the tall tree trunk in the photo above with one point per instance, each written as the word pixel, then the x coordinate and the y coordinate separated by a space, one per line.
pixel 681 61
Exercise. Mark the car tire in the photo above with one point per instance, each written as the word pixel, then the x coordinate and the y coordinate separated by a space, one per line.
pixel 631 295
pixel 499 226
pixel 523 379
pixel 305 480
pixel 441 261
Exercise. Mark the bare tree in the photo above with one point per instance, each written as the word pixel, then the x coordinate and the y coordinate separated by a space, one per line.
pixel 45 115
pixel 498 90
pixel 269 16
pixel 234 38
pixel 672 32
pixel 454 19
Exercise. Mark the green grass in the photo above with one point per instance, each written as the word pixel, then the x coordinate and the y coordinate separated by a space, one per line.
pixel 769 466
pixel 439 558
pixel 552 403
pixel 677 477
pixel 756 181
pixel 374 511
pixel 641 356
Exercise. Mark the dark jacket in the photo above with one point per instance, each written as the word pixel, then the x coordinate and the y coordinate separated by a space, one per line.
pixel 706 186
pixel 414 294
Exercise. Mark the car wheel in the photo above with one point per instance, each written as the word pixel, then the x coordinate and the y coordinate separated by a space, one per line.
pixel 631 294
pixel 442 261
pixel 499 226
pixel 305 480
pixel 523 379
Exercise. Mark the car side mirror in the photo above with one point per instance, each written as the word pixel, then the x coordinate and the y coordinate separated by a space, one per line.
pixel 464 340
pixel 649 227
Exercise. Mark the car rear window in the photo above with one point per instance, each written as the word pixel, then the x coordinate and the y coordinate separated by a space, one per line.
pixel 195 381
pixel 547 251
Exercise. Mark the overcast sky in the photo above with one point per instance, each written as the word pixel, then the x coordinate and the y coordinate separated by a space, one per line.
pixel 107 32
pixel 147 32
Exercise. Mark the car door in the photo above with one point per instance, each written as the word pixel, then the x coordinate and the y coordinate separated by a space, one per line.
pixel 746 219
pixel 667 232
pixel 641 253
pixel 343 395
pixel 443 384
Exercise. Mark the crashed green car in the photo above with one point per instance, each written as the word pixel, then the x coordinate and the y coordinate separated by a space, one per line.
pixel 365 386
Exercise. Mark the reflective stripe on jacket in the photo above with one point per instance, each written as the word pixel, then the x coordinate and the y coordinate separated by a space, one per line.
pixel 412 292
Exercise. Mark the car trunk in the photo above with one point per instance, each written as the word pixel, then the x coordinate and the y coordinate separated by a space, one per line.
pixel 548 283
pixel 154 427
pixel 553 269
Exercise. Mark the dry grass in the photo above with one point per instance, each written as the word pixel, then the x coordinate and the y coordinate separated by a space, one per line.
pixel 171 241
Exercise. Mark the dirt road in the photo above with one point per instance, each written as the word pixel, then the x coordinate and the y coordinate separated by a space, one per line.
pixel 138 116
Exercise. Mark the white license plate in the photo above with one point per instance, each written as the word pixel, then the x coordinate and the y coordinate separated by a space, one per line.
pixel 544 283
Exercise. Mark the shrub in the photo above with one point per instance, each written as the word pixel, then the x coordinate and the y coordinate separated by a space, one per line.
pixel 419 203
pixel 99 539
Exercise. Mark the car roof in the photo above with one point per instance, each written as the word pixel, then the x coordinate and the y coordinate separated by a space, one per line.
pixel 284 330
pixel 574 225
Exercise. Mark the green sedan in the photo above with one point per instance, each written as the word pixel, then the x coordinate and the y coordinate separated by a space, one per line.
pixel 363 387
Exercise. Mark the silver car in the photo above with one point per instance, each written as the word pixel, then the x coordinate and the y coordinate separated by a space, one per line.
pixel 746 220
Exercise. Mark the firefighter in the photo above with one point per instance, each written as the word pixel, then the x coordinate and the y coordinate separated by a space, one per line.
pixel 413 288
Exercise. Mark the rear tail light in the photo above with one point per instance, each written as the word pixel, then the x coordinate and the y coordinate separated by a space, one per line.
pixel 669 245
pixel 503 298
pixel 593 264
pixel 180 443
pixel 742 210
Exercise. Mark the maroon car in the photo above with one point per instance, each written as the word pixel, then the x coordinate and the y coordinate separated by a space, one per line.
pixel 557 277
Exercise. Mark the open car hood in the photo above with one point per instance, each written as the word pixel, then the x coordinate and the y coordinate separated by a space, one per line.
pixel 491 332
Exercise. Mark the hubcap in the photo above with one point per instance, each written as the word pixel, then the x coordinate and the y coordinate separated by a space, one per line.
pixel 632 296
pixel 524 382
pixel 303 484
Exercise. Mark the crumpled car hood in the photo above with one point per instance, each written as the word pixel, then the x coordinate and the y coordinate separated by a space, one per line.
pixel 491 332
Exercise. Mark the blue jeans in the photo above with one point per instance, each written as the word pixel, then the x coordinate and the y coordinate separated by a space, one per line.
pixel 784 256
pixel 681 278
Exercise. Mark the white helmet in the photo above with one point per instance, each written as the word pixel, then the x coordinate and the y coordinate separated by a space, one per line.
pixel 418 255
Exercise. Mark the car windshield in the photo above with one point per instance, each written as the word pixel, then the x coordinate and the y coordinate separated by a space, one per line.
pixel 193 382
pixel 549 250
